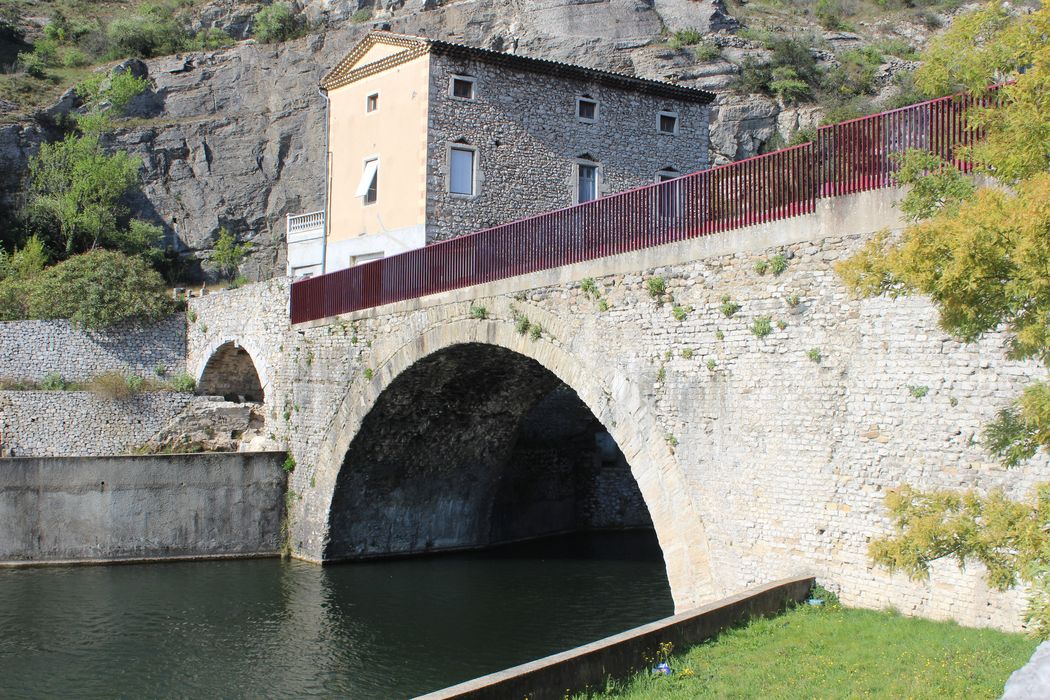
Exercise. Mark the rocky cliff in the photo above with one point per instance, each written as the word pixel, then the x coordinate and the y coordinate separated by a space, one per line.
pixel 235 137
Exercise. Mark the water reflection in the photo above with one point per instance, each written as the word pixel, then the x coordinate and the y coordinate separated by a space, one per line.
pixel 283 629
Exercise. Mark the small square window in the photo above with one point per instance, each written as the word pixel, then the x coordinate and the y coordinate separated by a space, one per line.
pixel 463 88
pixel 372 102
pixel 668 123
pixel 586 109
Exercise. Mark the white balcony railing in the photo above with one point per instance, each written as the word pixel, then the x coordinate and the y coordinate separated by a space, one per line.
pixel 305 226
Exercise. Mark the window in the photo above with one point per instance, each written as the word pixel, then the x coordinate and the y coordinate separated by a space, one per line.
pixel 365 257
pixel 372 102
pixel 586 182
pixel 462 87
pixel 369 185
pixel 669 197
pixel 668 123
pixel 461 170
pixel 586 109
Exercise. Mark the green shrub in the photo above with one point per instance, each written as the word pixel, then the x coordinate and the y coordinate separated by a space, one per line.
pixel 711 364
pixel 687 354
pixel 656 286
pixel 785 84
pixel 276 22
pixel 761 266
pixel 707 51
pixel 681 312
pixel 685 37
pixel 99 289
pixel 362 15
pixel 479 312
pixel 135 383
pixel 32 64
pixel 144 36
pixel 918 392
pixel 762 326
pixel 719 335
pixel 831 14
pixel 521 325
pixel 535 331
pixel 589 287
pixel 289 464
pixel 210 39
pixel 815 355
pixel 778 263
pixel 53 382
pixel 603 305
pixel 183 383
pixel 369 373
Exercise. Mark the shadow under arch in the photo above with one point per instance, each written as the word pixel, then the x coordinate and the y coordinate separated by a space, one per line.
pixel 613 399
pixel 231 372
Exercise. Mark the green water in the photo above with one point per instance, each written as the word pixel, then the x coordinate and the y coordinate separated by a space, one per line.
pixel 271 628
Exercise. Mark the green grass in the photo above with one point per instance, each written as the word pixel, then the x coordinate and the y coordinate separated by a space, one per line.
pixel 834 652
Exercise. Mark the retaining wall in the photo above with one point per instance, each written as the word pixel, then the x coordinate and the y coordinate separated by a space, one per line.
pixel 53 423
pixel 624 654
pixel 30 350
pixel 118 508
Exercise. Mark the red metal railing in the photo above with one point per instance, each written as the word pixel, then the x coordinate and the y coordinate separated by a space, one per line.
pixel 849 157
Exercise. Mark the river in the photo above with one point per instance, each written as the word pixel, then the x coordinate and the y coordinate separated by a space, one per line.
pixel 273 628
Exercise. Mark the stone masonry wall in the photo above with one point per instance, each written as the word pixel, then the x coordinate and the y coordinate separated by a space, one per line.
pixel 30 350
pixel 522 122
pixel 756 460
pixel 61 423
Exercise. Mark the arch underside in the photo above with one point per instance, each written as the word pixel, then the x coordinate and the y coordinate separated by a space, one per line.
pixel 472 446
pixel 230 372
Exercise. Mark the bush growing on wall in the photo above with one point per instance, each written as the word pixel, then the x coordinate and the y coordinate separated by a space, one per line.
pixel 276 22
pixel 97 289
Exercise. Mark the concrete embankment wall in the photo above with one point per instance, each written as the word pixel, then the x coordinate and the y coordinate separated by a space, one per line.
pixel 624 654
pixel 119 508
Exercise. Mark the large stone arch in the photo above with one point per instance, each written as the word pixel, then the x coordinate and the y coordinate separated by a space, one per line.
pixel 229 367
pixel 611 396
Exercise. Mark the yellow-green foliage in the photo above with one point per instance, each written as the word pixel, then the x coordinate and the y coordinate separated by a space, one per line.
pixel 990 46
pixel 983 257
pixel 983 263
pixel 1008 537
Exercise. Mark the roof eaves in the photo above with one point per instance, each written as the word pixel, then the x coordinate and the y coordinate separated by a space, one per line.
pixel 550 67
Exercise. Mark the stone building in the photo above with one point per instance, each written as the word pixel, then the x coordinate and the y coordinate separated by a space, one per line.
pixel 429 140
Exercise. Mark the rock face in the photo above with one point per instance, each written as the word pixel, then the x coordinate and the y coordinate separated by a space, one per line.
pixel 236 138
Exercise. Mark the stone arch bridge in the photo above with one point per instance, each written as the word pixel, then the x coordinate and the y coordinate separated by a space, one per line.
pixel 761 417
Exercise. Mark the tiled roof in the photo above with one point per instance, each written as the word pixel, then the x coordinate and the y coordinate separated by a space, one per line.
pixel 415 46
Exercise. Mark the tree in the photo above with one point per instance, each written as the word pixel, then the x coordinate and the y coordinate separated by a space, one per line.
pixel 983 257
pixel 228 254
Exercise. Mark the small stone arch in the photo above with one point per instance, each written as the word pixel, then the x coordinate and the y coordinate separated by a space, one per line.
pixel 231 372
pixel 611 397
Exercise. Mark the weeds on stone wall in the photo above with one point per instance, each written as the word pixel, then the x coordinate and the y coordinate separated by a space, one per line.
pixel 369 373
pixel 589 287
pixel 719 335
pixel 761 266
pixel 603 305
pixel 793 301
pixel 762 326
pixel 728 307
pixel 289 464
pixel 918 391
pixel 778 263
pixel 712 364
pixel 681 312
pixel 656 287
pixel 535 331
pixel 781 324
pixel 479 312
pixel 687 354
pixel 815 355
